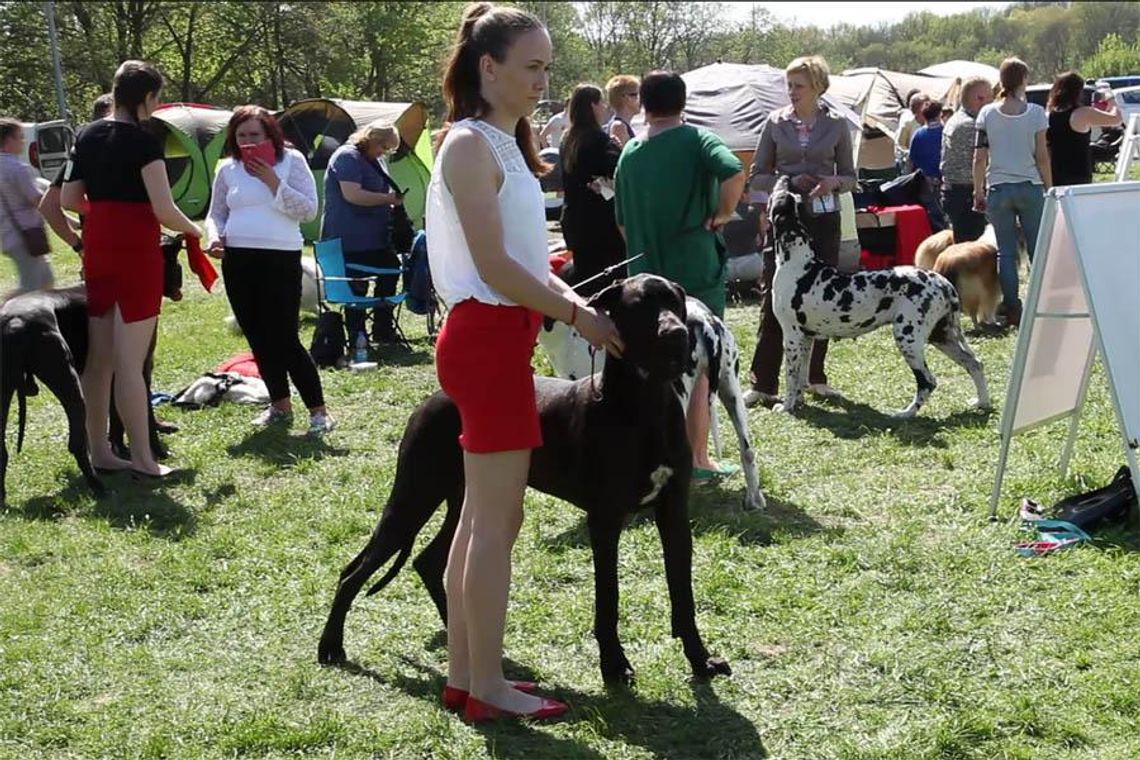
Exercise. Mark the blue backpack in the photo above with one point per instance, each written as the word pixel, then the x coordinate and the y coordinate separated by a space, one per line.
pixel 417 277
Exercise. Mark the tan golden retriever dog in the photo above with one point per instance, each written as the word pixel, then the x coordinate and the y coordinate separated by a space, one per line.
pixel 971 266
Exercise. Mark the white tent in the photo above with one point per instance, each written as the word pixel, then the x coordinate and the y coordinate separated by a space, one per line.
pixel 961 70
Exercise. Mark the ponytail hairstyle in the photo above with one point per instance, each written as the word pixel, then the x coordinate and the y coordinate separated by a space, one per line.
pixel 1012 76
pixel 134 80
pixel 583 122
pixel 487 30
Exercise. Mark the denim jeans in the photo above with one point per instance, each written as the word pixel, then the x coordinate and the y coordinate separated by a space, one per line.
pixel 958 203
pixel 1009 205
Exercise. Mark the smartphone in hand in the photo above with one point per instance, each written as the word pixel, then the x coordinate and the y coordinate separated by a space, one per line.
pixel 263 150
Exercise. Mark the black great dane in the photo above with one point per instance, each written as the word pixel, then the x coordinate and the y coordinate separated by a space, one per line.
pixel 43 335
pixel 611 446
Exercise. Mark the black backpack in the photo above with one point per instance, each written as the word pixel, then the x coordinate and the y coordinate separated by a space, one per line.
pixel 329 339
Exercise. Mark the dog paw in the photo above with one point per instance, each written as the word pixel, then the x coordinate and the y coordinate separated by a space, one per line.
pixel 623 676
pixel 755 504
pixel 712 667
pixel 329 653
pixel 983 404
pixel 904 414
pixel 783 408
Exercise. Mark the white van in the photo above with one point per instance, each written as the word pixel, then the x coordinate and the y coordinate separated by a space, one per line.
pixel 47 145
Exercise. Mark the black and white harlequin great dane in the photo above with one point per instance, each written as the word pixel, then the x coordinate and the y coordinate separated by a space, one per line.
pixel 712 350
pixel 612 446
pixel 813 300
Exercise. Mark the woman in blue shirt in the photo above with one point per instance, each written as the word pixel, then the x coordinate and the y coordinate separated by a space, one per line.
pixel 358 201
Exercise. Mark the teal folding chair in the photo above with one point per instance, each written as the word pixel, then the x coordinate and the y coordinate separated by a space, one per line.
pixel 333 284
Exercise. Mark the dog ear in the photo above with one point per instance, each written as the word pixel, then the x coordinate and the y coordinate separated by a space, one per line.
pixel 682 299
pixel 608 297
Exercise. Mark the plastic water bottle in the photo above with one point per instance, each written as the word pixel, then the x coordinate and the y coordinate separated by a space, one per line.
pixel 361 354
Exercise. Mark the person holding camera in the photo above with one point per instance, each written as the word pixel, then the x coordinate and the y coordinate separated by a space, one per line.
pixel 812 145
pixel 358 210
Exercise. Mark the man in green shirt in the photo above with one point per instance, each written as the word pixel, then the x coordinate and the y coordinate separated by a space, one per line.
pixel 675 187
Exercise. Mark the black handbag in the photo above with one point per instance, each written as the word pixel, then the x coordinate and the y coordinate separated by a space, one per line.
pixel 35 238
pixel 401 233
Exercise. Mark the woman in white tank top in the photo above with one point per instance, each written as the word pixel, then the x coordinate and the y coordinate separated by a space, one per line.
pixel 487 247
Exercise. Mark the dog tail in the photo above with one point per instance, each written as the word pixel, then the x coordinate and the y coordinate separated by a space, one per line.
pixel 401 558
pixel 21 415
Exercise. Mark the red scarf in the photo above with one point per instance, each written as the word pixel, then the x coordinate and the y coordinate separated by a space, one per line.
pixel 200 263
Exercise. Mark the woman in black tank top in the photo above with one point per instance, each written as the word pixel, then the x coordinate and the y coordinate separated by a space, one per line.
pixel 1068 150
pixel 1070 128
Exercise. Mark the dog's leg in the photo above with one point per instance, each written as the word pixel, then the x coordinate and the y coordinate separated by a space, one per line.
pixel 7 390
pixel 604 534
pixel 797 348
pixel 677 546
pixel 954 346
pixel 388 539
pixel 58 374
pixel 431 563
pixel 912 345
pixel 733 401
pixel 157 447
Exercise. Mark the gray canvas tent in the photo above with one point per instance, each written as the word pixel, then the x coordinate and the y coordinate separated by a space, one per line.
pixel 963 70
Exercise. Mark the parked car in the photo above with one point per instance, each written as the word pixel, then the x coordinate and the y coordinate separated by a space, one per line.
pixel 1117 83
pixel 48 144
pixel 1128 99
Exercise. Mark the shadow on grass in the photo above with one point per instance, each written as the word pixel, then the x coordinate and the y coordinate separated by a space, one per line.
pixel 129 505
pixel 715 508
pixel 393 355
pixel 279 447
pixel 853 420
pixel 708 728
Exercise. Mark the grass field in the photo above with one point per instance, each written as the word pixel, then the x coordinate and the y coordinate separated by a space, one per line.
pixel 871 612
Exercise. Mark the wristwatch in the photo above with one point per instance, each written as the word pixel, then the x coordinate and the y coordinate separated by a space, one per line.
pixel 77 246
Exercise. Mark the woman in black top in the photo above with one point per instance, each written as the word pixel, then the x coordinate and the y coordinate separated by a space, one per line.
pixel 1070 126
pixel 588 225
pixel 117 178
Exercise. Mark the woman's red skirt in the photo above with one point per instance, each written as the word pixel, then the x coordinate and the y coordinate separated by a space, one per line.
pixel 122 259
pixel 482 359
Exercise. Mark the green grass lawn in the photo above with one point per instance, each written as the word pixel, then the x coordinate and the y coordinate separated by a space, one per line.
pixel 871 612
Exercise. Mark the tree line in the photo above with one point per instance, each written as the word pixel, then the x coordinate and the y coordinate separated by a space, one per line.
pixel 228 52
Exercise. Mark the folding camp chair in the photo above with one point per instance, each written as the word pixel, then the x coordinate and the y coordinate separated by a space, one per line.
pixel 333 285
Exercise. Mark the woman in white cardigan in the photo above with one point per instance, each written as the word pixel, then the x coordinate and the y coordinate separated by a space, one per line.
pixel 262 192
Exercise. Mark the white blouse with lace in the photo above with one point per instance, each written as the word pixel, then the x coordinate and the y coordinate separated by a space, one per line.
pixel 521 209
pixel 245 214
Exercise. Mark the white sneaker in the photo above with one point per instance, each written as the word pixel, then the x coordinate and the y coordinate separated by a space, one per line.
pixel 273 416
pixel 319 424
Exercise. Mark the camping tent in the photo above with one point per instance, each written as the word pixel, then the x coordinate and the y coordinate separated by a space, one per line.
pixel 961 70
pixel 887 95
pixel 318 126
pixel 192 137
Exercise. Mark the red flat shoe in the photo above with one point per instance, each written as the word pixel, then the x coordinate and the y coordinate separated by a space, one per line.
pixel 454 699
pixel 477 712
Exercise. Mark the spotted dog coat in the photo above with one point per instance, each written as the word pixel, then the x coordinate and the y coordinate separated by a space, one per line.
pixel 811 299
pixel 713 349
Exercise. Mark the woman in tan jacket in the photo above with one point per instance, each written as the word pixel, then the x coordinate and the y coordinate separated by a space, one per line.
pixel 808 143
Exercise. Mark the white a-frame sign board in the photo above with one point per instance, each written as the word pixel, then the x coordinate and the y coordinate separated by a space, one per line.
pixel 1084 300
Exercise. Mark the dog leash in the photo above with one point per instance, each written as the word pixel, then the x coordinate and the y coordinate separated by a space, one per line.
pixel 607 271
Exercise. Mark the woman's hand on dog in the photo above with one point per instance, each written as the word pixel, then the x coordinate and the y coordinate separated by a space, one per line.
pixel 599 330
